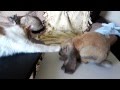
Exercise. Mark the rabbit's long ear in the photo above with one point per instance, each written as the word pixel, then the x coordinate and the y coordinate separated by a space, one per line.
pixel 66 48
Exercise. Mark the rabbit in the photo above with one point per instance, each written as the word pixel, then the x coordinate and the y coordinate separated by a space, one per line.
pixel 89 47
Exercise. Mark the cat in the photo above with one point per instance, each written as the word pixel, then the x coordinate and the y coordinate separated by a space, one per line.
pixel 13 39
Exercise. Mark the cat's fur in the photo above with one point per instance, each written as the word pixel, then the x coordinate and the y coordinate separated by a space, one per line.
pixel 13 40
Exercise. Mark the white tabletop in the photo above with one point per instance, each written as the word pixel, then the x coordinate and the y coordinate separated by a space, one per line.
pixel 50 68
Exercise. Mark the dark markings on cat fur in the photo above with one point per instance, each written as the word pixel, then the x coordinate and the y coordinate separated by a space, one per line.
pixel 33 22
pixel 2 31
pixel 17 20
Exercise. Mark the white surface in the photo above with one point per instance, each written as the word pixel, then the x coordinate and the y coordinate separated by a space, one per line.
pixel 51 69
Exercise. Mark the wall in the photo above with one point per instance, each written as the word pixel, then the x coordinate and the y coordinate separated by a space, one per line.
pixel 113 16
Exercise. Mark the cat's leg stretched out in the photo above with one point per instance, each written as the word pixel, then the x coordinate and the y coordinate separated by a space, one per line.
pixel 9 47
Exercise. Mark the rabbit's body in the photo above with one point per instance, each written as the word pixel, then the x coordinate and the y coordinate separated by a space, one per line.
pixel 90 46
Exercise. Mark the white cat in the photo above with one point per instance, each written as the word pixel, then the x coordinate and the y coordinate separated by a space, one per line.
pixel 14 40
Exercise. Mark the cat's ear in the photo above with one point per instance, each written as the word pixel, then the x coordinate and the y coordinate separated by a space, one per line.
pixel 10 19
pixel 15 17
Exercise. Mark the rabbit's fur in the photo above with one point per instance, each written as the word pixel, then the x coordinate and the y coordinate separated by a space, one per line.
pixel 90 46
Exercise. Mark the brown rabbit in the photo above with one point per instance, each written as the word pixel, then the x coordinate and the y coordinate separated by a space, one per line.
pixel 91 46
